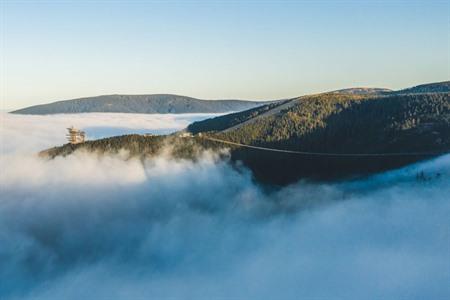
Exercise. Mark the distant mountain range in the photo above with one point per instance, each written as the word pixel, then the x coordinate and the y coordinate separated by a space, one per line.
pixel 362 91
pixel 143 104
pixel 437 87
pixel 167 103
pixel 339 126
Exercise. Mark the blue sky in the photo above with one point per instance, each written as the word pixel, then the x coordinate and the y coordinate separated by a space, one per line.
pixel 218 49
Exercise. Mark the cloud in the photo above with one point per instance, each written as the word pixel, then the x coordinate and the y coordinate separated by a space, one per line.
pixel 26 133
pixel 90 227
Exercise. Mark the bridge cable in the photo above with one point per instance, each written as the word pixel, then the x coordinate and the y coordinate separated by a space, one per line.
pixel 329 153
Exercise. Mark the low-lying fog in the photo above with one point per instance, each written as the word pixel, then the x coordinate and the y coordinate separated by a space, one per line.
pixel 26 133
pixel 89 227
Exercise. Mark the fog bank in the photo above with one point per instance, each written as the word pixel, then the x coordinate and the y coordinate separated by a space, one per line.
pixel 28 133
pixel 90 227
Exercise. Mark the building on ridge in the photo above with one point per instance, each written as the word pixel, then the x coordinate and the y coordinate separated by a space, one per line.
pixel 75 136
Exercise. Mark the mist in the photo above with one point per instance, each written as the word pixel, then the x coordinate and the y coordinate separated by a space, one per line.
pixel 101 227
pixel 28 133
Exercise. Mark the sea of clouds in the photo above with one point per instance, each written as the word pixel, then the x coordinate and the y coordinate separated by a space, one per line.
pixel 27 133
pixel 91 227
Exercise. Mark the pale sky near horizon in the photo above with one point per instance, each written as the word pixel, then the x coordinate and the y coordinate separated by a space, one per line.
pixel 56 50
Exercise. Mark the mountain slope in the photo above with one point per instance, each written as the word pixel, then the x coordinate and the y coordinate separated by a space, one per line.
pixel 340 123
pixel 167 103
pixel 338 134
pixel 335 124
pixel 436 87
pixel 362 91
pixel 146 104
pixel 326 123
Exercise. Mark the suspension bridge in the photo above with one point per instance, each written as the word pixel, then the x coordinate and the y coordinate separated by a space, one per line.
pixel 330 154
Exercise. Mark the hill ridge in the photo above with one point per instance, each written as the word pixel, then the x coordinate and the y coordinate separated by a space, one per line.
pixel 142 103
pixel 172 103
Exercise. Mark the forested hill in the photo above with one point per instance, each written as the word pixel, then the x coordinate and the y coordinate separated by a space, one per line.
pixel 437 87
pixel 417 125
pixel 341 123
pixel 363 91
pixel 144 104
pixel 167 103
pixel 335 123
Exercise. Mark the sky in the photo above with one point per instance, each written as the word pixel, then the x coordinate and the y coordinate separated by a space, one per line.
pixel 56 50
